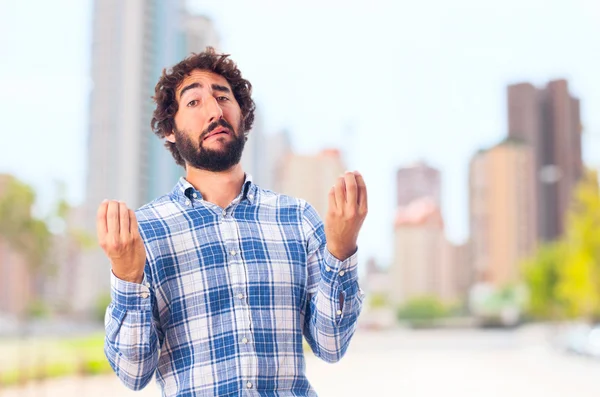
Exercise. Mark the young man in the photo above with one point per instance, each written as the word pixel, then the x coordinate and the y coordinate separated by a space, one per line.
pixel 214 283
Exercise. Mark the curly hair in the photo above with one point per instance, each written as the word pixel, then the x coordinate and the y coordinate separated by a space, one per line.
pixel 163 118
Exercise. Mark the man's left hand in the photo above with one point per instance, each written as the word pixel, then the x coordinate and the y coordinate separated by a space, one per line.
pixel 346 213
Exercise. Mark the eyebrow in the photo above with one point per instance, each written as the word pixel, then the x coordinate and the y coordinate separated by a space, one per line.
pixel 215 87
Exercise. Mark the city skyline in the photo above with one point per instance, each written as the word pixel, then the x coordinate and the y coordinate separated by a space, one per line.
pixel 451 97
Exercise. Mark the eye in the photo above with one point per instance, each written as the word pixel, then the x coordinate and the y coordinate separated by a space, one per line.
pixel 192 103
pixel 223 98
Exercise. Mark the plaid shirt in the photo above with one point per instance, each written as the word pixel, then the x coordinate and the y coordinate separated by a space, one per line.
pixel 227 295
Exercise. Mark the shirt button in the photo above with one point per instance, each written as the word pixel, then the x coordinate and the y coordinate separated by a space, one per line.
pixel 233 252
pixel 187 202
pixel 327 268
pixel 249 385
pixel 144 295
pixel 251 196
pixel 224 213
pixel 245 340
pixel 195 195
pixel 240 296
pixel 339 312
pixel 342 273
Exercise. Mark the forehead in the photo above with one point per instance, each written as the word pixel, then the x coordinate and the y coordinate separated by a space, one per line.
pixel 205 77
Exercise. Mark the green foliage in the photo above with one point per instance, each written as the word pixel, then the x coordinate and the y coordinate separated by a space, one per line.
pixel 23 232
pixel 564 277
pixel 38 309
pixel 579 278
pixel 378 300
pixel 32 237
pixel 422 309
pixel 56 358
pixel 542 274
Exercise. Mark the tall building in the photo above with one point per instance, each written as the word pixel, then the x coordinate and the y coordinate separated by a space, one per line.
pixel 264 155
pixel 310 177
pixel 548 119
pixel 418 248
pixel 502 211
pixel 17 280
pixel 200 32
pixel 417 181
pixel 16 283
pixel 133 41
pixel 455 272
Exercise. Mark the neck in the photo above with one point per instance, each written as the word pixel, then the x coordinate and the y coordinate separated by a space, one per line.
pixel 219 188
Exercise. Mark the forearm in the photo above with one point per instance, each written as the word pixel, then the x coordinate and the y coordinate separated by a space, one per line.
pixel 131 343
pixel 334 308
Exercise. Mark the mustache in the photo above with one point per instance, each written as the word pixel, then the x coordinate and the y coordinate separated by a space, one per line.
pixel 212 126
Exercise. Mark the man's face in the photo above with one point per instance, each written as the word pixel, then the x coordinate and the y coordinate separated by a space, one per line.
pixel 208 123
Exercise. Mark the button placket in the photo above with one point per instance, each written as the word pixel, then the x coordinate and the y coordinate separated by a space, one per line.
pixel 238 277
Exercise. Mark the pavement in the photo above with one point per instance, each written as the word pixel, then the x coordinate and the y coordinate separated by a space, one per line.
pixel 424 363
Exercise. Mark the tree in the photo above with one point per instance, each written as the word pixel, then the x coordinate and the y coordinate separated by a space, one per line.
pixel 579 280
pixel 542 274
pixel 564 276
pixel 22 232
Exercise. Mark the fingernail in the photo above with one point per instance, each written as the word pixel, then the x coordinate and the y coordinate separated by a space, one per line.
pixel 105 200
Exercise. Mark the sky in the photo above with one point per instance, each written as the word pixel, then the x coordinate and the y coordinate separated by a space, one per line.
pixel 389 82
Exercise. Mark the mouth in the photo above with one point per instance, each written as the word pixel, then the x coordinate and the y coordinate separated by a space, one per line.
pixel 217 132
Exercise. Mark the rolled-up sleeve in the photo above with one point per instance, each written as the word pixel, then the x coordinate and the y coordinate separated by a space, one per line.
pixel 131 344
pixel 335 298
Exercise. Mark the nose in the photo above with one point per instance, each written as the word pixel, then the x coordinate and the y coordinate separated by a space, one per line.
pixel 214 110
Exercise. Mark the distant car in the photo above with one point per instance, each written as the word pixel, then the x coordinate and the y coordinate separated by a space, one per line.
pixel 581 339
pixel 592 347
pixel 575 338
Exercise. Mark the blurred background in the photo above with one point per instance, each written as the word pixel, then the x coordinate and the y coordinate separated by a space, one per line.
pixel 475 123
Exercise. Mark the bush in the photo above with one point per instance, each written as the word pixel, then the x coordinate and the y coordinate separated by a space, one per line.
pixel 422 311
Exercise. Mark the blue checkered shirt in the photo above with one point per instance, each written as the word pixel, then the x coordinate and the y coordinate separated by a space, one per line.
pixel 227 296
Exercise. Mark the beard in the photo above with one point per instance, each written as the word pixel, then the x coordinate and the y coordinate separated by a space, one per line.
pixel 214 160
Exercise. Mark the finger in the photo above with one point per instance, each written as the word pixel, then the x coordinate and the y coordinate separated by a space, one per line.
pixel 340 195
pixel 101 227
pixel 112 218
pixel 362 191
pixel 351 189
pixel 332 201
pixel 133 225
pixel 123 219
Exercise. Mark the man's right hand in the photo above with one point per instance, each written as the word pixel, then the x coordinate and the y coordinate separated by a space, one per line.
pixel 120 239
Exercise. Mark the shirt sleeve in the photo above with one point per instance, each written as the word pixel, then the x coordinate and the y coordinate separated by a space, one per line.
pixel 132 337
pixel 334 296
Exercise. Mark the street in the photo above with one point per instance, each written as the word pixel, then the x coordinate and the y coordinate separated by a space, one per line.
pixel 427 363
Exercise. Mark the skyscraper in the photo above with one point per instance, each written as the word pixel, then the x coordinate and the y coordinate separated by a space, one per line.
pixel 418 248
pixel 133 41
pixel 17 280
pixel 502 211
pixel 417 181
pixel 265 154
pixel 548 119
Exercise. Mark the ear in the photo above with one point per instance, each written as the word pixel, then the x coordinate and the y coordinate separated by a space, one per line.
pixel 170 137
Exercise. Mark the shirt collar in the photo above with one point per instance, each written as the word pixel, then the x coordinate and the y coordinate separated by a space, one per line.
pixel 184 191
